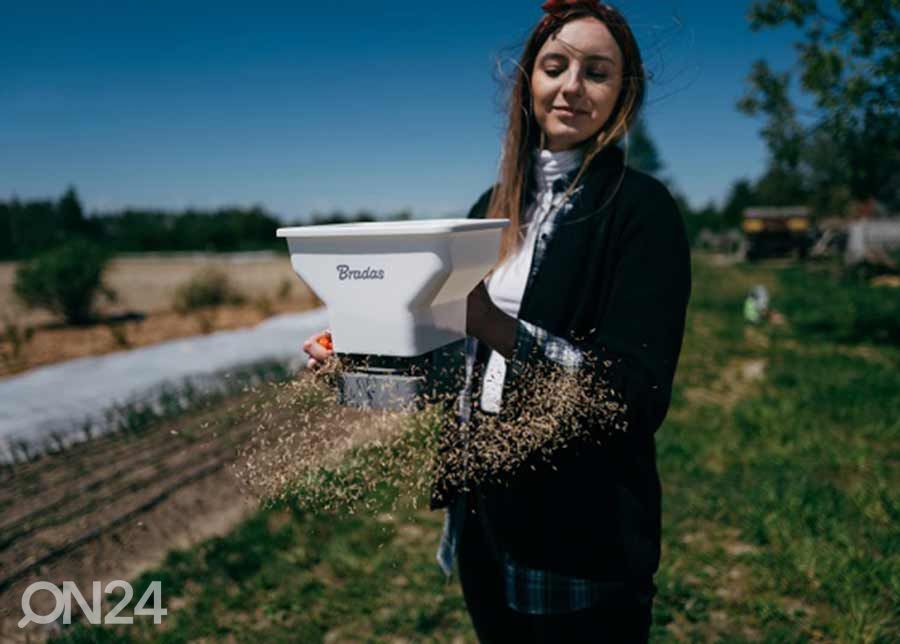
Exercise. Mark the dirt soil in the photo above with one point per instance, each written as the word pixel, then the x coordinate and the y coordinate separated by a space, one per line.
pixel 146 286
pixel 115 506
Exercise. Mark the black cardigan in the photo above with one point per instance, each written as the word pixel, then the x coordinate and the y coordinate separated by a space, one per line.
pixel 616 275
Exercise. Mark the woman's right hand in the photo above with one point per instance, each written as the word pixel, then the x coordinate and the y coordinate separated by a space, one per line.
pixel 319 348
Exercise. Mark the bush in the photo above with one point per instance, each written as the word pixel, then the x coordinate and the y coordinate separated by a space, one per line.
pixel 285 288
pixel 208 288
pixel 65 280
pixel 16 337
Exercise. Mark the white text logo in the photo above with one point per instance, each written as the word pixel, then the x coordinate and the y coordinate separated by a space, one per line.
pixel 63 600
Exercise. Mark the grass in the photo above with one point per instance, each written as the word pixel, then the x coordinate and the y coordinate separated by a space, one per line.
pixel 779 461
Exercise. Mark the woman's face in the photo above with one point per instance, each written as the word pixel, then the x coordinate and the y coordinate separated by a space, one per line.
pixel 575 82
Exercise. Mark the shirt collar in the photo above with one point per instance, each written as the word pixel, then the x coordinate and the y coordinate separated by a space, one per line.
pixel 551 166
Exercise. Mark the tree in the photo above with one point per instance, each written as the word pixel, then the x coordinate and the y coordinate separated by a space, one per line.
pixel 780 186
pixel 642 152
pixel 64 280
pixel 740 196
pixel 849 64
pixel 71 213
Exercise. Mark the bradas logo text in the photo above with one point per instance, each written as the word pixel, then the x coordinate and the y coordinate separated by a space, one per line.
pixel 347 273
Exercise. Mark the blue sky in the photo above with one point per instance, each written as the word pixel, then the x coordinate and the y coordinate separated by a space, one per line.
pixel 315 106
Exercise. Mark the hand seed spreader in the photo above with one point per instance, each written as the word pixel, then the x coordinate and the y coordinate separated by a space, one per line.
pixel 396 297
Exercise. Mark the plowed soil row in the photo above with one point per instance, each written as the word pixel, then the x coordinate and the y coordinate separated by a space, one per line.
pixel 119 503
pixel 114 506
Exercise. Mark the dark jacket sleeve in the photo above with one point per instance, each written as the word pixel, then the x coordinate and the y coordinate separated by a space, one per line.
pixel 633 351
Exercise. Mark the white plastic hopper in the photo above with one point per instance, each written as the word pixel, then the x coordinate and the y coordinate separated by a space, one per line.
pixel 395 288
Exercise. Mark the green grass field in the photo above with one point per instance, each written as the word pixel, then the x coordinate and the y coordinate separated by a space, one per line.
pixel 779 461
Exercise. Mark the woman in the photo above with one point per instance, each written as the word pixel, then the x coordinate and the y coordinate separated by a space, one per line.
pixel 594 270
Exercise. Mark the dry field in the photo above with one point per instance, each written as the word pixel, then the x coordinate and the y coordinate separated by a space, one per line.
pixel 146 285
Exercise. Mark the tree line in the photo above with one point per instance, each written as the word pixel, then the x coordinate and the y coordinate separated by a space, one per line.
pixel 28 228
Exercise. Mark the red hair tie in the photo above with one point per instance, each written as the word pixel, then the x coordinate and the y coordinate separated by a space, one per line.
pixel 557 6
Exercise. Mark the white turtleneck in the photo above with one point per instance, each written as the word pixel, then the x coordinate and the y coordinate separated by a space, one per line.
pixel 507 284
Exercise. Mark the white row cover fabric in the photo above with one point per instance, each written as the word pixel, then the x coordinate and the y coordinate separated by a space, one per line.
pixel 61 400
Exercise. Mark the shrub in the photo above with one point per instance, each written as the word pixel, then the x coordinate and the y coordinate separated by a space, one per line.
pixel 16 337
pixel 119 332
pixel 208 288
pixel 285 288
pixel 263 304
pixel 65 280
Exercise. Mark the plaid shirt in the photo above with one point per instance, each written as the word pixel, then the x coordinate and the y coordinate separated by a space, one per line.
pixel 528 590
pixel 543 592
